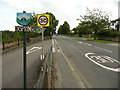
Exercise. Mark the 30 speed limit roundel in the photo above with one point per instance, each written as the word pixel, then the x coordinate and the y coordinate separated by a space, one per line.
pixel 43 20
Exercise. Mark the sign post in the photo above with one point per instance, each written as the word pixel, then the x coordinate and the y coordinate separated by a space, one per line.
pixel 42 43
pixel 24 58
pixel 24 19
pixel 42 21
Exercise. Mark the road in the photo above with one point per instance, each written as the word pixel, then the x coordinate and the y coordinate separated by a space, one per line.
pixel 82 63
pixel 12 65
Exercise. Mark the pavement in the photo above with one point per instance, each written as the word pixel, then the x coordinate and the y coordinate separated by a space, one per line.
pixel 85 64
pixel 12 65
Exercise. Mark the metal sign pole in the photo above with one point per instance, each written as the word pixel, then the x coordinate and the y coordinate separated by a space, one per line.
pixel 26 19
pixel 42 42
pixel 24 57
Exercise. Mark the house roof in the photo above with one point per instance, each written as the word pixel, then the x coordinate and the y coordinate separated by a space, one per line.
pixel 116 19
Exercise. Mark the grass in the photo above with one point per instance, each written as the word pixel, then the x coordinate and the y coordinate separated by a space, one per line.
pixel 101 41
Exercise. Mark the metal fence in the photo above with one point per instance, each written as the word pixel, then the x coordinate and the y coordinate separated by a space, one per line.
pixel 45 72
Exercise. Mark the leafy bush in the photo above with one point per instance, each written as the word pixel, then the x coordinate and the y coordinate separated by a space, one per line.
pixel 11 36
pixel 108 33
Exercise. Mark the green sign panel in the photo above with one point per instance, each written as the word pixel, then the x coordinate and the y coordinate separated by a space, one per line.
pixel 23 18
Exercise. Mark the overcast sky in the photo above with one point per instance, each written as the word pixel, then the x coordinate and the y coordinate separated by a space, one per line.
pixel 64 10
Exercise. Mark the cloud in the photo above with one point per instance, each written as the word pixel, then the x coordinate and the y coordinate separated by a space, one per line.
pixel 64 10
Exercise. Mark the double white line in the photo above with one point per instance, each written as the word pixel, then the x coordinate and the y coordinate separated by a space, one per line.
pixel 53 45
pixel 54 42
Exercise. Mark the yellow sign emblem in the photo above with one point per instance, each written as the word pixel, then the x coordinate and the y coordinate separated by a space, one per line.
pixel 43 20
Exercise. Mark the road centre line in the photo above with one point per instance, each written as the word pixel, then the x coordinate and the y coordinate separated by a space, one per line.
pixel 85 43
pixel 53 49
pixel 96 47
pixel 52 41
pixel 80 42
pixel 58 50
pixel 53 46
pixel 103 49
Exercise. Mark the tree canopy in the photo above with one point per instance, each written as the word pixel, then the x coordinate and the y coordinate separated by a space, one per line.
pixel 94 20
pixel 64 29
pixel 53 23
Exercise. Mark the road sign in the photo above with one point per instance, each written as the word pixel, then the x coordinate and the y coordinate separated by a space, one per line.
pixel 23 18
pixel 43 20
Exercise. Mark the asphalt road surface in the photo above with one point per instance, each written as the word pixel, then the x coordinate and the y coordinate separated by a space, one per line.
pixel 82 63
pixel 12 65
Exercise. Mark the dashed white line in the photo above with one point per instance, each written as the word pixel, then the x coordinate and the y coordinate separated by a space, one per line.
pixel 41 57
pixel 52 41
pixel 103 49
pixel 88 44
pixel 53 49
pixel 80 42
pixel 53 44
pixel 85 43
pixel 58 50
pixel 95 47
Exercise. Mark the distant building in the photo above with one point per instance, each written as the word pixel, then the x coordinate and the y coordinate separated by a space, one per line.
pixel 115 24
pixel 72 31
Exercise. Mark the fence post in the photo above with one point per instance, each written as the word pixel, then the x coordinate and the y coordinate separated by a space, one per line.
pixel 3 45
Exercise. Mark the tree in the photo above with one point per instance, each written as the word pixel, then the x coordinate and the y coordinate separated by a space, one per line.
pixel 75 30
pixel 64 29
pixel 60 30
pixel 96 20
pixel 53 23
pixel 48 30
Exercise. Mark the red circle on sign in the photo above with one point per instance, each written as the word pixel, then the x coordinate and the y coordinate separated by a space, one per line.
pixel 45 23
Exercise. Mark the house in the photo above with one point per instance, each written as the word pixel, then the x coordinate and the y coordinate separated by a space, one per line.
pixel 72 31
pixel 115 24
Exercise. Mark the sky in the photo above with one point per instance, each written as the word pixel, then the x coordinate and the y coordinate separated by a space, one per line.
pixel 64 10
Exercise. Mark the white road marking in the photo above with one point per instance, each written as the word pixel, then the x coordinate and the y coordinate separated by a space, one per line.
pixel 103 49
pixel 41 57
pixel 114 44
pixel 58 50
pixel 105 67
pixel 53 49
pixel 33 50
pixel 96 47
pixel 53 44
pixel 112 59
pixel 88 44
pixel 80 42
pixel 85 43
pixel 52 41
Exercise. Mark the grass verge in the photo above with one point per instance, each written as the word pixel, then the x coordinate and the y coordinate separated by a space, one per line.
pixel 101 41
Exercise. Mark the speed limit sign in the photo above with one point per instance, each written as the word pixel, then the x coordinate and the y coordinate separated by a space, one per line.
pixel 43 20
